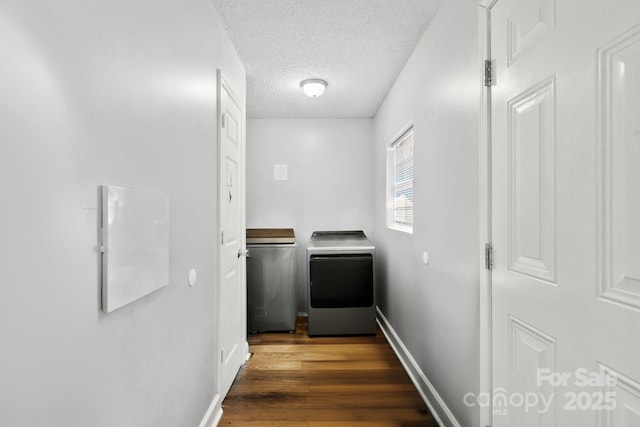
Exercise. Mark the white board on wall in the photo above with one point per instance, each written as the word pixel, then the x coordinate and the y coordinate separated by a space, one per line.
pixel 135 245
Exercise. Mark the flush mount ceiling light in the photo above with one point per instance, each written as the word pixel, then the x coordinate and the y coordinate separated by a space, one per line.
pixel 313 87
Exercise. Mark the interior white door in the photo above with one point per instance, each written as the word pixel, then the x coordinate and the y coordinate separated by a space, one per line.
pixel 565 143
pixel 232 280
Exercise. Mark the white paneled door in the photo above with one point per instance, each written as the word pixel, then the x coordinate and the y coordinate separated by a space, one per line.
pixel 565 143
pixel 232 280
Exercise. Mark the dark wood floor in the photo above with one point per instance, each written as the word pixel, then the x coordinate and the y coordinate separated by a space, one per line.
pixel 294 380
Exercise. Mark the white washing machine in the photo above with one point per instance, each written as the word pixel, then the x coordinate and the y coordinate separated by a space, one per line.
pixel 271 292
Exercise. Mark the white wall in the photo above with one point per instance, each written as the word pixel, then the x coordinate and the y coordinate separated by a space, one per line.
pixel 330 166
pixel 434 308
pixel 123 93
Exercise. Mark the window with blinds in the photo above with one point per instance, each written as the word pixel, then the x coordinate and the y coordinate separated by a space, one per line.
pixel 400 183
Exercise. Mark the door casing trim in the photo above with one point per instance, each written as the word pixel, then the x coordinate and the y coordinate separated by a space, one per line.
pixel 223 83
pixel 484 209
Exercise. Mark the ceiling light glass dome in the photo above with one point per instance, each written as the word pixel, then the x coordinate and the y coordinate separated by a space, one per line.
pixel 313 87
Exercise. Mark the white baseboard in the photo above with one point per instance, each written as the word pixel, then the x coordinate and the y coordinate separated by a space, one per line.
pixel 214 413
pixel 246 351
pixel 436 405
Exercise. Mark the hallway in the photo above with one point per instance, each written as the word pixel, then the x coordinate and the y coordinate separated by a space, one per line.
pixel 294 380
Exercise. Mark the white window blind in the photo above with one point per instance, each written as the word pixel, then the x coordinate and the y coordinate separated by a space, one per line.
pixel 402 183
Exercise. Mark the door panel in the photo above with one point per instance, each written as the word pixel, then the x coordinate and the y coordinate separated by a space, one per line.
pixel 565 156
pixel 619 210
pixel 531 147
pixel 530 350
pixel 527 25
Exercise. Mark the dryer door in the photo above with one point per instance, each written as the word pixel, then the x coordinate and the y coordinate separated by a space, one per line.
pixel 339 281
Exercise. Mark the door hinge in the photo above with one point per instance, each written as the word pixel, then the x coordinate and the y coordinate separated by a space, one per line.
pixel 224 119
pixel 488 256
pixel 488 73
pixel 222 356
pixel 222 238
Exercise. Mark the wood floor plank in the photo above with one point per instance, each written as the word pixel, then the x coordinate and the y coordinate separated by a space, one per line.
pixel 294 380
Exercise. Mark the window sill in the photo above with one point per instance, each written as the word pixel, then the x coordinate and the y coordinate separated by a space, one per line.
pixel 402 228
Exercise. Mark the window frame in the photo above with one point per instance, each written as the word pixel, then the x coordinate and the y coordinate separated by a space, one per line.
pixel 392 185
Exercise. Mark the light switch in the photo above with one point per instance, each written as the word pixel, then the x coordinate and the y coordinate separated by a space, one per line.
pixel 280 173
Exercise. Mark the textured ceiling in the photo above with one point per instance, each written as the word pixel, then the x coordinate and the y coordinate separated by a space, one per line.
pixel 357 46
